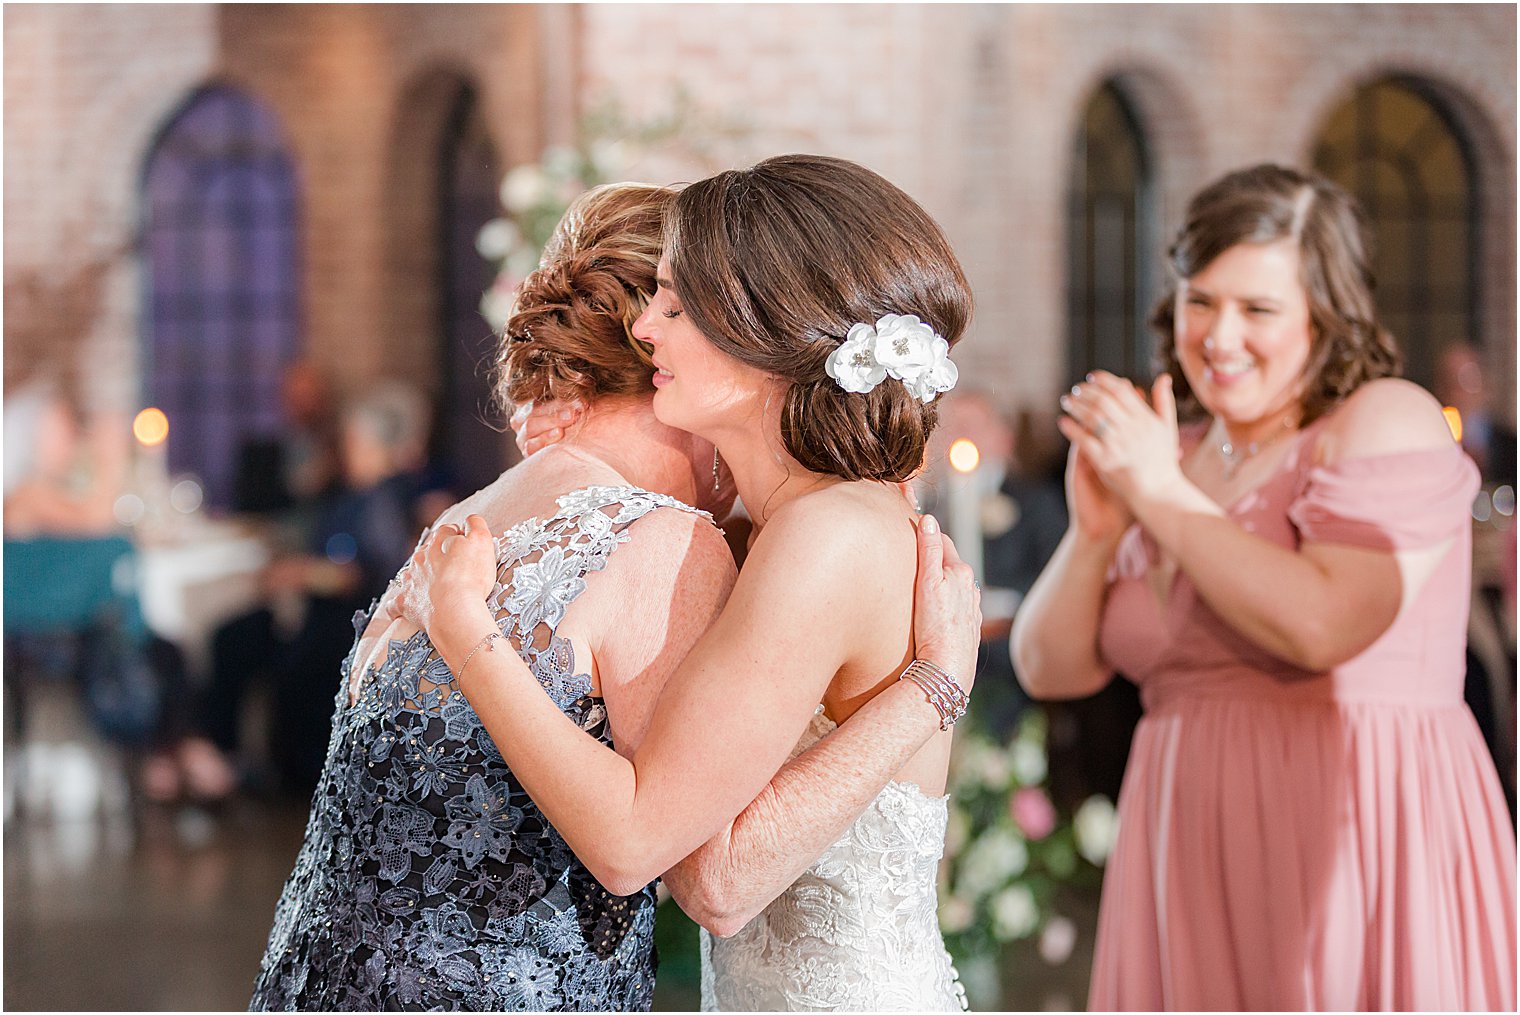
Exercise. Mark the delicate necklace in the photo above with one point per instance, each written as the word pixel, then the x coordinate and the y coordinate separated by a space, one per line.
pixel 1235 456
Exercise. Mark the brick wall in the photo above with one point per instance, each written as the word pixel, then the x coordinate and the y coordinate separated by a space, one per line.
pixel 970 108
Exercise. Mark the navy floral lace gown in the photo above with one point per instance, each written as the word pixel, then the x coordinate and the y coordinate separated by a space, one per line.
pixel 428 879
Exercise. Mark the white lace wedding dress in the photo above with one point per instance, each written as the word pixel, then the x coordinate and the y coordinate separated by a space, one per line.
pixel 858 930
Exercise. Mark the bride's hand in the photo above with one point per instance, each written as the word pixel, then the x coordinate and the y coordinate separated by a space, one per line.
pixel 540 424
pixel 947 606
pixel 449 578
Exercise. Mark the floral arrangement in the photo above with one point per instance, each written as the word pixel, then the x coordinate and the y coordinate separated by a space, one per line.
pixel 534 196
pixel 1009 852
pixel 608 147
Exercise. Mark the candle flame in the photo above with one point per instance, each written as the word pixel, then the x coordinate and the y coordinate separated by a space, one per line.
pixel 964 455
pixel 1454 422
pixel 150 427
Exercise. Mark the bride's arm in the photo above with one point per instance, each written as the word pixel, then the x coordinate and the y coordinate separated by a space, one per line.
pixel 727 718
pixel 807 806
pixel 804 810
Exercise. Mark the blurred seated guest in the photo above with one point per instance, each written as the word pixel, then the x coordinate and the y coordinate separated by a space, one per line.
pixel 1309 817
pixel 62 475
pixel 71 595
pixel 182 762
pixel 71 606
pixel 1462 383
pixel 362 536
pixel 295 468
pixel 1035 512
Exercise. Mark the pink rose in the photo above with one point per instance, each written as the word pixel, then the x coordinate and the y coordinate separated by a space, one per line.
pixel 1032 812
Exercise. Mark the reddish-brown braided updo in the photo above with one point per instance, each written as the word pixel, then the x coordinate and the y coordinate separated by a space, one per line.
pixel 568 334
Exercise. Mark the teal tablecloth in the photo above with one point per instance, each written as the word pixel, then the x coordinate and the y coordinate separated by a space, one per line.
pixel 57 584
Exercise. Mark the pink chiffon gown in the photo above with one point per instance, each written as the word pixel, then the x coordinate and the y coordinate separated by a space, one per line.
pixel 1298 840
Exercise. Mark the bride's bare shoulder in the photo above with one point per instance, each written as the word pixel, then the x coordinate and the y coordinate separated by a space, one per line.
pixel 843 524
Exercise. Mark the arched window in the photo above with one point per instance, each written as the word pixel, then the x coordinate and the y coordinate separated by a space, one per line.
pixel 468 441
pixel 1399 150
pixel 219 246
pixel 1111 240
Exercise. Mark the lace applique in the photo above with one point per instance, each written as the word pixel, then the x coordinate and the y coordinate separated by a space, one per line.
pixel 859 930
pixel 428 877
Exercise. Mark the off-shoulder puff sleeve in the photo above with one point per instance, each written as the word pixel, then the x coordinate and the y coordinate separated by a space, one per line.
pixel 1392 502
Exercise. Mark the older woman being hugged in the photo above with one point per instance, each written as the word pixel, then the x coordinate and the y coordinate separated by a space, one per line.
pixel 1309 817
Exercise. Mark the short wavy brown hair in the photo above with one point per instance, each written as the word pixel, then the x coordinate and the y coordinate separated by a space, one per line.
pixel 1266 203
pixel 775 263
pixel 569 333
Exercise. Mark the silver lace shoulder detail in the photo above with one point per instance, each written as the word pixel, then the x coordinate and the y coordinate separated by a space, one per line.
pixel 542 567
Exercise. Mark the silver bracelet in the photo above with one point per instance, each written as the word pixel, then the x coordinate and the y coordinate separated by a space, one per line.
pixel 487 640
pixel 947 696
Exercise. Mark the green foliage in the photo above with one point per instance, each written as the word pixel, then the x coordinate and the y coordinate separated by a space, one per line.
pixel 1009 852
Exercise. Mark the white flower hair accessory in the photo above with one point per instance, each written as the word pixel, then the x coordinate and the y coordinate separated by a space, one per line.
pixel 900 346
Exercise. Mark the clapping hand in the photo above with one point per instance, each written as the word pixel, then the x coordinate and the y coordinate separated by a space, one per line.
pixel 1131 446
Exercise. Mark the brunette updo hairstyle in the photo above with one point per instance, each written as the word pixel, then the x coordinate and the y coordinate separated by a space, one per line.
pixel 1266 203
pixel 569 335
pixel 775 263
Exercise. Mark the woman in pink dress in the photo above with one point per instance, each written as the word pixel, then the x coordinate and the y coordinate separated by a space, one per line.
pixel 1309 818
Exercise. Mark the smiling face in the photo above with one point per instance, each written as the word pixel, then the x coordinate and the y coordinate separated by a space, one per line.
pixel 697 388
pixel 1243 334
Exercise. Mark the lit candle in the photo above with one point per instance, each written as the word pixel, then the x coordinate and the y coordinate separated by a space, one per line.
pixel 963 503
pixel 151 428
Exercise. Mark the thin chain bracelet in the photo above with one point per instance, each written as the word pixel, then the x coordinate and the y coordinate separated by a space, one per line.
pixel 487 640
pixel 947 696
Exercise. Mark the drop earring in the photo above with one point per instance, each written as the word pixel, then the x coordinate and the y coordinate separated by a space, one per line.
pixel 715 470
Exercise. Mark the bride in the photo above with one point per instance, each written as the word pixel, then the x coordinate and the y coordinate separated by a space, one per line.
pixel 802 322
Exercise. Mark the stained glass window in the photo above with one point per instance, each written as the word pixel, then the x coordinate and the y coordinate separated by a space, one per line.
pixel 220 250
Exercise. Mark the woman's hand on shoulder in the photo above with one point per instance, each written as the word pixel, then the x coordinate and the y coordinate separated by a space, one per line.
pixel 1383 417
pixel 449 577
pixel 537 425
pixel 947 606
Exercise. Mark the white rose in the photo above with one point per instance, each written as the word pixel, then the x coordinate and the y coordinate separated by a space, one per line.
pixel 853 365
pixel 1029 764
pixel 496 239
pixel 609 158
pixel 497 303
pixel 915 355
pixel 562 161
pixel 523 261
pixel 994 769
pixel 1097 827
pixel 1014 913
pixel 992 860
pixel 524 187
